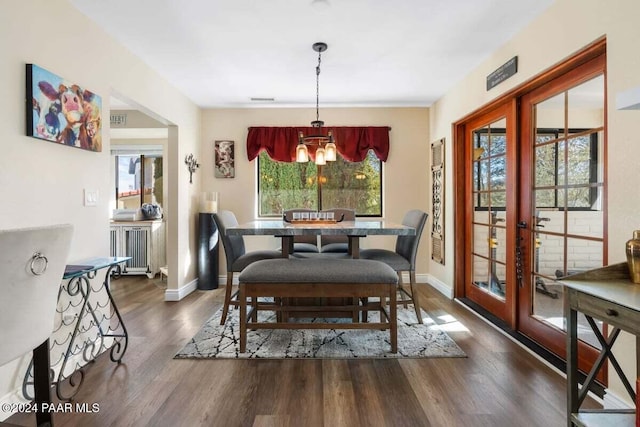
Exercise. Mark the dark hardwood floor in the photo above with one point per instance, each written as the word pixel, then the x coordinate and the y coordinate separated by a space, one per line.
pixel 498 384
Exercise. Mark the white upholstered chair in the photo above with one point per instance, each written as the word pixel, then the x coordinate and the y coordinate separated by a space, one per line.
pixel 32 263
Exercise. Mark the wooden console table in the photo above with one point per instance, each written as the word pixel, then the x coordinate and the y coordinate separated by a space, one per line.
pixel 609 295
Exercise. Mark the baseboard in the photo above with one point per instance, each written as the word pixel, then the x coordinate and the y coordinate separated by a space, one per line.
pixel 611 401
pixel 437 284
pixel 178 294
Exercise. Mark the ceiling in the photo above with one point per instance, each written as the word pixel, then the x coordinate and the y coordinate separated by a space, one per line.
pixel 222 53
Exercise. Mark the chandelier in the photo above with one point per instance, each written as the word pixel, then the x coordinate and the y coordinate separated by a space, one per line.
pixel 326 151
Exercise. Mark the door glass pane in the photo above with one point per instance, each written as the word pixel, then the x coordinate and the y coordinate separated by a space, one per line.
pixel 546 161
pixel 549 114
pixel 586 105
pixel 500 244
pixel 498 199
pixel 481 235
pixel 497 280
pixel 498 171
pixel 545 198
pixel 579 158
pixel 585 255
pixel 481 175
pixel 480 272
pixel 498 141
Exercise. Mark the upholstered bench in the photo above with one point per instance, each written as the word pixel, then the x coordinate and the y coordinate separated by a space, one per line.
pixel 286 279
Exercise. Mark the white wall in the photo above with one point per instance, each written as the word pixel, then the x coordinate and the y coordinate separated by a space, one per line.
pixel 405 174
pixel 566 27
pixel 42 183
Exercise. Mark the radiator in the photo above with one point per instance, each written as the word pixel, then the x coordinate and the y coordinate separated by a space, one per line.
pixel 143 243
pixel 113 242
pixel 136 242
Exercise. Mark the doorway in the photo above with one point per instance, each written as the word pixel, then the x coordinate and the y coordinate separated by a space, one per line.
pixel 139 152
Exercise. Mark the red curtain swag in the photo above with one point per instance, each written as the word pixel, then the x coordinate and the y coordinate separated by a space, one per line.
pixel 352 143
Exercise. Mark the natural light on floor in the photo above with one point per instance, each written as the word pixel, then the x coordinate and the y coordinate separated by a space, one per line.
pixel 447 323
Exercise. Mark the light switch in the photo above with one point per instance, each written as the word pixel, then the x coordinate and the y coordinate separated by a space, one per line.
pixel 90 197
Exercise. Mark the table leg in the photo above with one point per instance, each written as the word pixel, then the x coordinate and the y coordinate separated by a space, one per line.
pixel 572 360
pixel 287 246
pixel 354 247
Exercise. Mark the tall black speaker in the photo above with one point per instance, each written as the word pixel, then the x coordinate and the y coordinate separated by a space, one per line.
pixel 207 252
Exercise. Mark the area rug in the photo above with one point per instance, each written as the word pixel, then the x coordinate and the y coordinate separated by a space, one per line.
pixel 215 341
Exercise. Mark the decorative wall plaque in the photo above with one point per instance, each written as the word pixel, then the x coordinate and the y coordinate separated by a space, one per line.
pixel 437 201
pixel 502 73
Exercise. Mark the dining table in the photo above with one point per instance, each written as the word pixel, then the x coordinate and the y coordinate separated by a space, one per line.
pixel 354 230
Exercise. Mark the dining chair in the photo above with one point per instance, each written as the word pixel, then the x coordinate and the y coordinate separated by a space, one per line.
pixel 337 244
pixel 32 263
pixel 302 244
pixel 404 257
pixel 236 256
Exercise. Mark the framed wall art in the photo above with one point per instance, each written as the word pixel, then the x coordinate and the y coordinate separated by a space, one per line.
pixel 62 112
pixel 224 166
pixel 437 201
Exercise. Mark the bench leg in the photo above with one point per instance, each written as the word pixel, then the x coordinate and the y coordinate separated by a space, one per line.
pixel 243 318
pixel 355 313
pixel 393 313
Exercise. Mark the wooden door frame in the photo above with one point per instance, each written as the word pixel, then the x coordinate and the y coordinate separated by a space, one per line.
pixel 590 52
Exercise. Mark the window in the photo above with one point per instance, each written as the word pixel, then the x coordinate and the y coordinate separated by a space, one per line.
pixel 138 180
pixel 339 184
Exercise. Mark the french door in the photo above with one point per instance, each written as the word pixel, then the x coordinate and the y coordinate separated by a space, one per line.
pixel 562 211
pixel 490 263
pixel 534 203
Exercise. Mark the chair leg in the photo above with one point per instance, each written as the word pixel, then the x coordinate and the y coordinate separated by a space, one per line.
pixel 404 303
pixel 243 318
pixel 227 297
pixel 42 384
pixel 414 296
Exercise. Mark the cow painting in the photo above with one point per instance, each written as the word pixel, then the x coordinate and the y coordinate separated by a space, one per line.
pixel 62 112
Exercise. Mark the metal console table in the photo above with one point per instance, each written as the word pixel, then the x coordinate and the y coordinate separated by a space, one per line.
pixel 87 323
pixel 609 295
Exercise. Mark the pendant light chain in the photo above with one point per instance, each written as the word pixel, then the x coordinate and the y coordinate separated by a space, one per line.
pixel 318 86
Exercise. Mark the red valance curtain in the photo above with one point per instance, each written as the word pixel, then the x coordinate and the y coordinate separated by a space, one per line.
pixel 353 143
